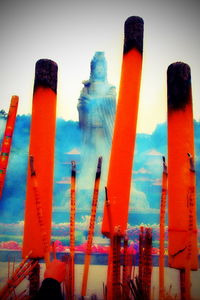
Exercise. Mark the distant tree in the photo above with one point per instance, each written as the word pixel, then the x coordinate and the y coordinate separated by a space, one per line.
pixel 3 114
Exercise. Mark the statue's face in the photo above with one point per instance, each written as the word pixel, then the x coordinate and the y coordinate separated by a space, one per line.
pixel 99 72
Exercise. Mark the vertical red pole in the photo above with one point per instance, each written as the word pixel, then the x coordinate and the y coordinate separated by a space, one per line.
pixel 120 167
pixel 7 141
pixel 182 246
pixel 42 138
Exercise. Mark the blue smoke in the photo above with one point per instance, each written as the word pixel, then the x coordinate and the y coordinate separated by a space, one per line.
pixel 147 168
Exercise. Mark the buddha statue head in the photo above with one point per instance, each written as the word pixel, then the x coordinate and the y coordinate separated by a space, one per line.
pixel 98 68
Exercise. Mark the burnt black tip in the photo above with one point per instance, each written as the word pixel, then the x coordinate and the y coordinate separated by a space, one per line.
pixel 46 74
pixel 133 34
pixel 178 85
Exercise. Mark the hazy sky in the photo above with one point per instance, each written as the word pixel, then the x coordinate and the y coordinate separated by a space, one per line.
pixel 69 32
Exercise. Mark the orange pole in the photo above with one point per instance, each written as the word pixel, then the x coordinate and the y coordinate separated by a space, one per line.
pixel 120 167
pixel 182 246
pixel 162 231
pixel 7 140
pixel 91 227
pixel 40 212
pixel 42 136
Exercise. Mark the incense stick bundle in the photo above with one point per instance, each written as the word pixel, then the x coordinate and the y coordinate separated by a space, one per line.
pixel 68 281
pixel 110 254
pixel 130 264
pixel 22 295
pixel 116 276
pixel 162 231
pixel 147 263
pixel 34 279
pixel 7 140
pixel 42 137
pixel 120 167
pixel 110 270
pixel 126 278
pixel 91 227
pixel 72 227
pixel 141 254
pixel 24 269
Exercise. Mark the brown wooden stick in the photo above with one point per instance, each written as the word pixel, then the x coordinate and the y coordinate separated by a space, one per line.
pixel 72 228
pixel 116 276
pixel 91 227
pixel 162 231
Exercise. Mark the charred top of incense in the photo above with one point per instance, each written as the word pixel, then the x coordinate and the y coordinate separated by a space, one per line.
pixel 73 172
pixel 98 173
pixel 133 34
pixel 178 85
pixel 46 74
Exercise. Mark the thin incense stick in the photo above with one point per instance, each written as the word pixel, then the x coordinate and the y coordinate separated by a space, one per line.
pixel 7 141
pixel 141 254
pixel 72 226
pixel 91 227
pixel 162 231
pixel 116 276
pixel 125 278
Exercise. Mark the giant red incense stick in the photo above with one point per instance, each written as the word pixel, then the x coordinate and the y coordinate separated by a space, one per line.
pixel 182 246
pixel 91 227
pixel 42 138
pixel 120 167
pixel 162 231
pixel 7 140
pixel 40 211
pixel 181 183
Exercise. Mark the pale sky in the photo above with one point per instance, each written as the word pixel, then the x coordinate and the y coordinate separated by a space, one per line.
pixel 69 32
